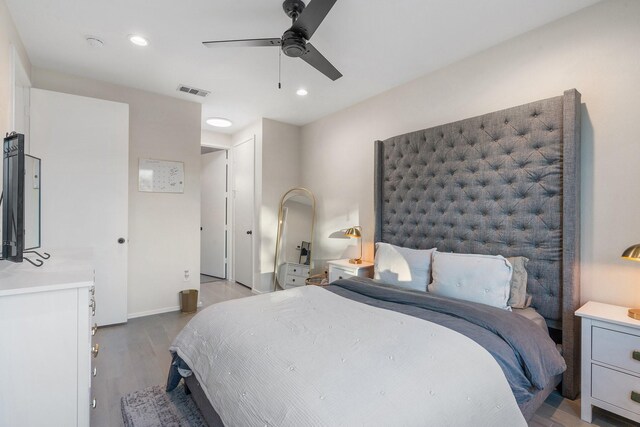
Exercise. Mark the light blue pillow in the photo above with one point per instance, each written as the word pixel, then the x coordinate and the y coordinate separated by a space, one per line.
pixel 402 267
pixel 478 278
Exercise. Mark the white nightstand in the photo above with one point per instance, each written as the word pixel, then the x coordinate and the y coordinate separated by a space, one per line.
pixel 342 269
pixel 610 361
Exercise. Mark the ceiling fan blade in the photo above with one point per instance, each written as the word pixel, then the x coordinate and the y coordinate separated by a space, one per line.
pixel 314 58
pixel 244 43
pixel 312 16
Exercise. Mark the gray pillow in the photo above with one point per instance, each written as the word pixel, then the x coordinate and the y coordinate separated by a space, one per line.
pixel 518 294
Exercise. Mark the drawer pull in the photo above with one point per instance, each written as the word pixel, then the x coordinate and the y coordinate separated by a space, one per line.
pixel 92 305
pixel 94 403
pixel 95 350
pixel 95 371
pixel 635 396
pixel 94 328
pixel 636 354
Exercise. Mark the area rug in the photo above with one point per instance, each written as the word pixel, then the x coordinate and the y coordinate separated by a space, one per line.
pixel 154 407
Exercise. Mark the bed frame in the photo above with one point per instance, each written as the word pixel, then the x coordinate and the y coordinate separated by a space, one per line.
pixel 502 183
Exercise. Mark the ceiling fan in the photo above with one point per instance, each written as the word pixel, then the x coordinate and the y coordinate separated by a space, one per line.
pixel 295 41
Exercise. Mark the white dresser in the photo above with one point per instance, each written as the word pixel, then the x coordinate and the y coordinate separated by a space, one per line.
pixel 610 361
pixel 343 269
pixel 292 275
pixel 45 334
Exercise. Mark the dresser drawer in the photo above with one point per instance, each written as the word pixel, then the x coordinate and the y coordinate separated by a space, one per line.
pixel 298 270
pixel 615 388
pixel 615 348
pixel 293 281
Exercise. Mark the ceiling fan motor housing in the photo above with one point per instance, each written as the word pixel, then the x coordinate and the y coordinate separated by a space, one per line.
pixel 293 8
pixel 293 44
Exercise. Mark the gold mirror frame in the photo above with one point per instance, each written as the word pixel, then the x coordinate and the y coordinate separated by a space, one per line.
pixel 283 199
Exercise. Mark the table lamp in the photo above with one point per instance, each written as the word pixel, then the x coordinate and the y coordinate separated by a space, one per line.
pixel 633 253
pixel 356 233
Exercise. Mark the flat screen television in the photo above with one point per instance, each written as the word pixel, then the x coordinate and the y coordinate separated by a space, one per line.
pixel 20 199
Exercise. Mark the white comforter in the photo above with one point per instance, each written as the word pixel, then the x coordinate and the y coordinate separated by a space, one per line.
pixel 308 357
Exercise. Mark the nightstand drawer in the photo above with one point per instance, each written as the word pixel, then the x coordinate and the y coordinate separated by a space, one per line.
pixel 615 388
pixel 338 273
pixel 616 349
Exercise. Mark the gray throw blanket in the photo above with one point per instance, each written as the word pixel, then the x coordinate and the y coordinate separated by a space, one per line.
pixel 527 356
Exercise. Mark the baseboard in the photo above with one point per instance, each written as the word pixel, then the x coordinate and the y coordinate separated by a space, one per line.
pixel 156 311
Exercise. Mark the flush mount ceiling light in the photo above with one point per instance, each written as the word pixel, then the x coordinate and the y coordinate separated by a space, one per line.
pixel 138 40
pixel 219 122
pixel 301 92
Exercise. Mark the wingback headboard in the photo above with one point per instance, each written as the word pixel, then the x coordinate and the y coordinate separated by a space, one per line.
pixel 504 183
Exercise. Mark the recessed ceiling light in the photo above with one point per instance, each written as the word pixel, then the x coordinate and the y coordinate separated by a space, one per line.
pixel 138 40
pixel 219 122
pixel 302 92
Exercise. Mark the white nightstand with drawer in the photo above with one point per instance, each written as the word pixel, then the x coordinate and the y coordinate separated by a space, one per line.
pixel 610 361
pixel 343 269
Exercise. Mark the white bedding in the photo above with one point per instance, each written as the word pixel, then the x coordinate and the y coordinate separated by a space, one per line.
pixel 308 357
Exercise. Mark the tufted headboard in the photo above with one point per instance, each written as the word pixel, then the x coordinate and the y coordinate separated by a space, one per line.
pixel 504 183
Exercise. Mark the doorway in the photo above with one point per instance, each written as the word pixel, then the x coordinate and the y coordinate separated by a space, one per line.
pixel 214 214
pixel 84 146
pixel 243 172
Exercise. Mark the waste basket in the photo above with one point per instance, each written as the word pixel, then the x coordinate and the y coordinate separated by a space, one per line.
pixel 189 300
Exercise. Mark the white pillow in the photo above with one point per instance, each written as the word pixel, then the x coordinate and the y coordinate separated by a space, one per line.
pixel 403 267
pixel 478 278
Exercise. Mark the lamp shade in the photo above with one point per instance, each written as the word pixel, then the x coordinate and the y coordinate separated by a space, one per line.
pixel 632 253
pixel 353 232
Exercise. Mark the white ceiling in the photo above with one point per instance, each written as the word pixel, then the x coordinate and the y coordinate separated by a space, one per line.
pixel 376 44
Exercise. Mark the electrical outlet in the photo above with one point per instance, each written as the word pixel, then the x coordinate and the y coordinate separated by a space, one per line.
pixel 187 274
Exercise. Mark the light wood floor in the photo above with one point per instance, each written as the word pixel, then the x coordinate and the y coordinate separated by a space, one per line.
pixel 135 356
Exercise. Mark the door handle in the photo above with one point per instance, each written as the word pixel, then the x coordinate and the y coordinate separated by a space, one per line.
pixel 121 240
pixel 249 232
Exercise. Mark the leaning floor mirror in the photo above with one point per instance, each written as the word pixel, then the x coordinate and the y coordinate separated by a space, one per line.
pixel 294 241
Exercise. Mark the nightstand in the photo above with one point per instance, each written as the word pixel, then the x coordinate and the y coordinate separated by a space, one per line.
pixel 610 361
pixel 342 269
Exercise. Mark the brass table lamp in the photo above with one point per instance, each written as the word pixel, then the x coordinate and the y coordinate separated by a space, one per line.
pixel 356 233
pixel 633 253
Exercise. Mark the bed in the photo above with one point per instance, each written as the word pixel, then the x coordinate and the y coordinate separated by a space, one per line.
pixel 503 183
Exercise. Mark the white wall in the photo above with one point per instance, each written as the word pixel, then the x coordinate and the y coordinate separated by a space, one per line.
pixel 595 50
pixel 8 37
pixel 164 233
pixel 278 168
pixel 281 171
pixel 216 139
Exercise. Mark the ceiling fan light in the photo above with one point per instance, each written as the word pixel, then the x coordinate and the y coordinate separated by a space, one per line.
pixel 219 122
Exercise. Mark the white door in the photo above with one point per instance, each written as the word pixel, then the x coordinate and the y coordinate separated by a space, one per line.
pixel 213 214
pixel 84 147
pixel 243 206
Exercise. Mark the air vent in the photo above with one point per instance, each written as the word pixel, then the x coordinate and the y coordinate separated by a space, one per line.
pixel 193 91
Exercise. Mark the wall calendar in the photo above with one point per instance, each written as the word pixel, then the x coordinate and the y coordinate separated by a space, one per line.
pixel 160 176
